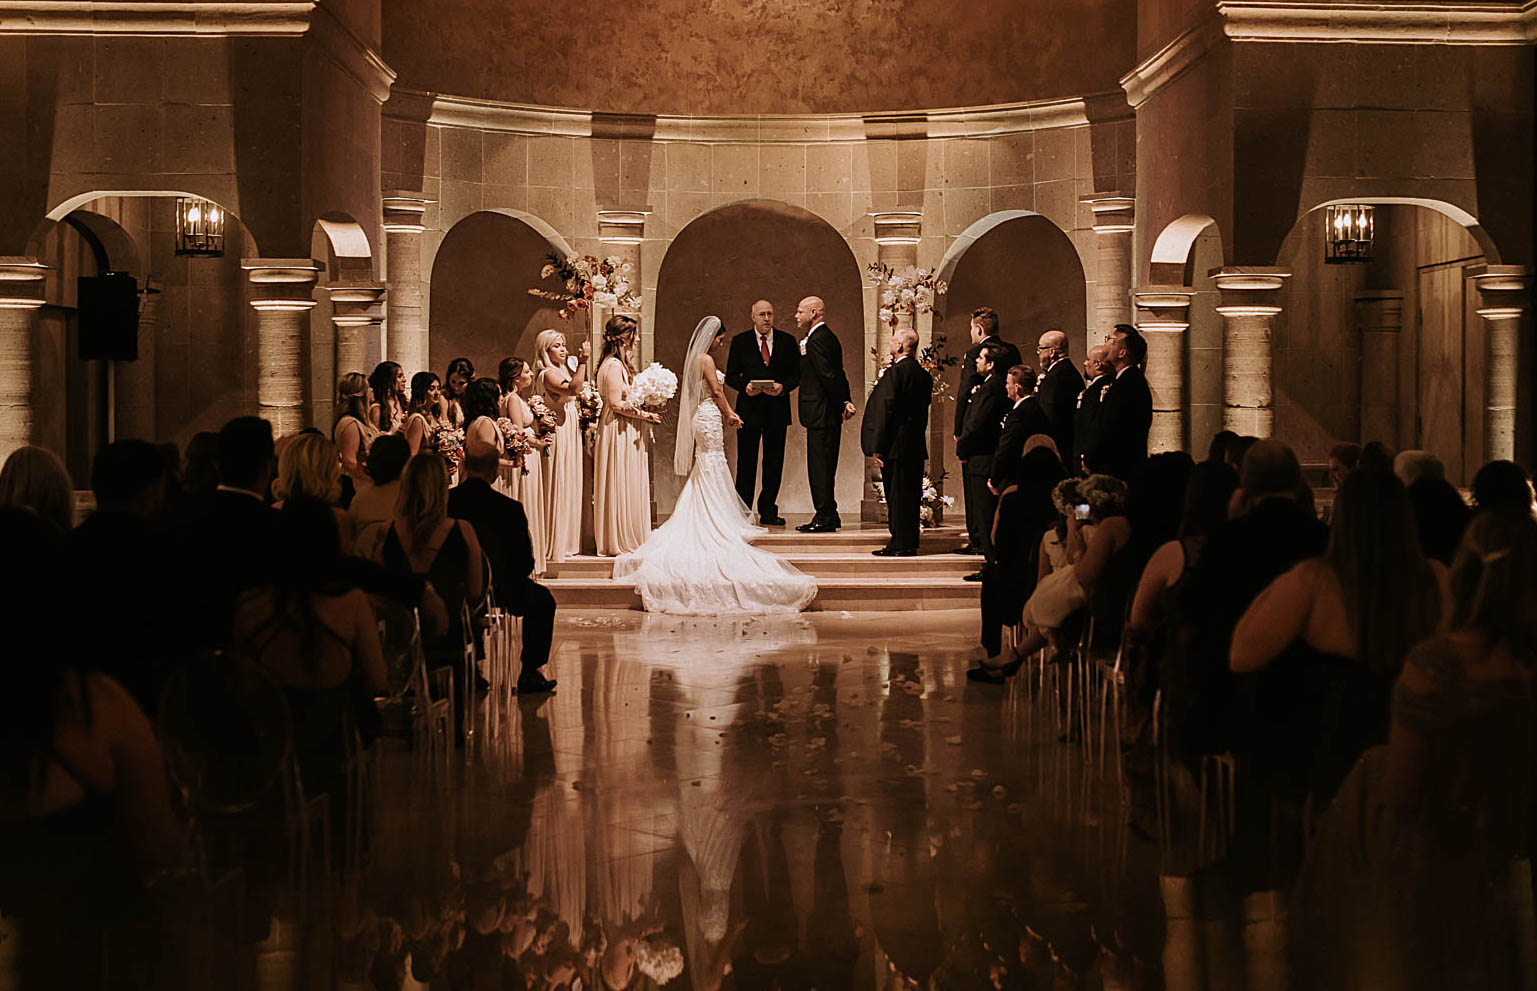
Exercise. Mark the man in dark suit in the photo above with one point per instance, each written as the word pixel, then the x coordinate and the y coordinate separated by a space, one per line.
pixel 502 526
pixel 1096 368
pixel 757 355
pixel 895 434
pixel 1057 390
pixel 1023 421
pixel 824 406
pixel 1125 409
pixel 975 445
pixel 984 333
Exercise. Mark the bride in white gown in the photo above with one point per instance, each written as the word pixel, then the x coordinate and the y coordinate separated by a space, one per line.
pixel 700 562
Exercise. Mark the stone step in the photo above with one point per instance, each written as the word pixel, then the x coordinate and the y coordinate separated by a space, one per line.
pixel 789 542
pixel 826 564
pixel 833 594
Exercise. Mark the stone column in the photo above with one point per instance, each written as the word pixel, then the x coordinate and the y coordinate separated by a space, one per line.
pixel 897 235
pixel 1380 319
pixel 281 295
pixel 21 294
pixel 1163 316
pixel 406 330
pixel 1502 290
pixel 357 308
pixel 1114 221
pixel 1250 301
pixel 622 233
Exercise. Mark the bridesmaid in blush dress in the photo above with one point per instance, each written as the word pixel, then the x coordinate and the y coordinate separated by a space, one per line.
pixel 621 487
pixel 525 484
pixel 563 460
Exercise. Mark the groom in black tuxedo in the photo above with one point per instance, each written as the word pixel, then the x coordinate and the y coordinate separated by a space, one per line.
pixel 895 433
pixel 824 405
pixel 757 355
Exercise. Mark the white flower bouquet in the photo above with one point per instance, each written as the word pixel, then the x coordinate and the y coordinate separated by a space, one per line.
pixel 931 504
pixel 653 388
pixel 658 959
pixel 913 291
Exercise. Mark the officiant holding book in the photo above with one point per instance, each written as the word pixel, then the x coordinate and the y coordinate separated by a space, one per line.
pixel 764 367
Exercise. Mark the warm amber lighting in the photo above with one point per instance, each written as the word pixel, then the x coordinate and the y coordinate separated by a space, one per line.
pixel 1350 230
pixel 199 228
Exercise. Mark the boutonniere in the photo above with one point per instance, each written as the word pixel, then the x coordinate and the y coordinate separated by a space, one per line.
pixel 803 345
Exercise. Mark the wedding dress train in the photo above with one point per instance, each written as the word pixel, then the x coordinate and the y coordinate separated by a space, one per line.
pixel 700 563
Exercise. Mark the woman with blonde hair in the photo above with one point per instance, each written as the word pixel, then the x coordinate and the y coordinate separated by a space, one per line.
pixel 34 478
pixel 621 477
pixel 563 461
pixel 352 433
pixel 525 482
pixel 308 468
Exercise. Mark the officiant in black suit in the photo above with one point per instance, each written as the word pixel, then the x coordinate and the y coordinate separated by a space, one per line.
pixel 824 405
pixel 895 433
pixel 760 355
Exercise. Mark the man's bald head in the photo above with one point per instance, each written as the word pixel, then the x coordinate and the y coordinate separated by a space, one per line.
pixel 763 316
pixel 1052 344
pixel 1098 361
pixel 810 310
pixel 904 341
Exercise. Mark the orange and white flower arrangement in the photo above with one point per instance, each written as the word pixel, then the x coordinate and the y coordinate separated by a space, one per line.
pixel 588 281
pixel 912 291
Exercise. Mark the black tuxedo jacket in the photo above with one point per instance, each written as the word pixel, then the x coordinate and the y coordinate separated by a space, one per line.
pixel 500 523
pixel 1086 421
pixel 984 424
pixel 744 364
pixel 969 376
pixel 1057 392
pixel 1121 427
pixel 824 387
pixel 896 419
pixel 1022 422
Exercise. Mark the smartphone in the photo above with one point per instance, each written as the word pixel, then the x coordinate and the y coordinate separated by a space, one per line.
pixel 1081 511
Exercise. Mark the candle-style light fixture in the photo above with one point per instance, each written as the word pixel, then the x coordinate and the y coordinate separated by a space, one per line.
pixel 199 228
pixel 1348 234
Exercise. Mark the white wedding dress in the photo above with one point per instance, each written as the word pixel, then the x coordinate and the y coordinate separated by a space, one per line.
pixel 700 563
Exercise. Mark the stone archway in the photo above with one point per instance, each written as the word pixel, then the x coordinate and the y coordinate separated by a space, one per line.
pixel 1184 255
pixel 347 317
pixel 721 263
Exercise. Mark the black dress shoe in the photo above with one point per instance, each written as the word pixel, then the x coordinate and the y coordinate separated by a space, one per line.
pixel 533 683
pixel 771 521
pixel 975 576
pixel 817 528
pixel 894 552
pixel 968 549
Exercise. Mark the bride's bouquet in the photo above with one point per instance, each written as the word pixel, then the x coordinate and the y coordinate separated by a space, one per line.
pixel 653 388
pixel 544 417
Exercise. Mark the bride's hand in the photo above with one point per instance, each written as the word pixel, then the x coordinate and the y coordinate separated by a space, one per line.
pixel 735 421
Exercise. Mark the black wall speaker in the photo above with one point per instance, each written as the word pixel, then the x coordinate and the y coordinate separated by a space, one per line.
pixel 109 316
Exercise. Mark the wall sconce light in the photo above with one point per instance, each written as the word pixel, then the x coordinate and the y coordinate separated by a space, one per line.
pixel 199 228
pixel 1348 234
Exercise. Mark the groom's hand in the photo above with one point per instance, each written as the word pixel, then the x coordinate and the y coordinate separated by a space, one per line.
pixel 848 411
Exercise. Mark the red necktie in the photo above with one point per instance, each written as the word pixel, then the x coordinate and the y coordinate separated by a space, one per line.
pixel 763 349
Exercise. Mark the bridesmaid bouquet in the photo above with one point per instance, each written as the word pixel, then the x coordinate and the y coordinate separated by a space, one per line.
pixel 544 417
pixel 589 406
pixel 515 443
pixel 448 441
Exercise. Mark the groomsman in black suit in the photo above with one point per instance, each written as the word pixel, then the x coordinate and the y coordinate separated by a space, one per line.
pixel 1023 421
pixel 1057 390
pixel 895 433
pixel 1096 368
pixel 824 405
pixel 759 355
pixel 975 446
pixel 984 332
pixel 1125 408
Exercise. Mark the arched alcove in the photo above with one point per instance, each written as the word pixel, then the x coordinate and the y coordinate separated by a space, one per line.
pixel 1184 255
pixel 341 246
pixel 1392 349
pixel 480 306
pixel 723 262
pixel 1026 268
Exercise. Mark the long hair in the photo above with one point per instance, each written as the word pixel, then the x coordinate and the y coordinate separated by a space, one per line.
pixel 421 384
pixel 481 398
pixel 508 371
pixel 32 609
pixel 1207 494
pixel 1388 584
pixel 542 344
pixel 309 552
pixel 352 397
pixel 423 500
pixel 615 330
pixel 382 381
pixel 1494 583
pixel 309 467
pixel 34 478
pixel 463 366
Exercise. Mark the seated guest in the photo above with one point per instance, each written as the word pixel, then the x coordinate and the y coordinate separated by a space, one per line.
pixel 86 815
pixel 1503 487
pixel 34 478
pixel 1329 637
pixel 423 540
pixel 1377 456
pixel 316 636
pixel 200 464
pixel 1220 448
pixel 1155 503
pixel 502 526
pixel 1411 466
pixel 119 563
pixel 1024 420
pixel 373 508
pixel 975 446
pixel 1343 459
pixel 227 539
pixel 1025 512
pixel 1440 517
pixel 309 468
pixel 1097 530
pixel 1268 533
